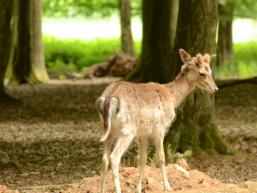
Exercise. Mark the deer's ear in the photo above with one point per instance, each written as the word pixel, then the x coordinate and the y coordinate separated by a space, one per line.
pixel 185 57
pixel 207 58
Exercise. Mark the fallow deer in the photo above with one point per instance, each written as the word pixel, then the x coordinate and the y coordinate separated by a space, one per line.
pixel 147 110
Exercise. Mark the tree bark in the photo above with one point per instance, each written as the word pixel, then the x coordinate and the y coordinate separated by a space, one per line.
pixel 6 31
pixel 159 26
pixel 30 64
pixel 225 35
pixel 127 44
pixel 195 127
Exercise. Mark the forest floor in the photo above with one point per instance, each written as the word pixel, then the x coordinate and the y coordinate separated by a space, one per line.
pixel 50 143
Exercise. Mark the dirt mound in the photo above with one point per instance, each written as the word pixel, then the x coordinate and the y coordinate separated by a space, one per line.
pixel 152 182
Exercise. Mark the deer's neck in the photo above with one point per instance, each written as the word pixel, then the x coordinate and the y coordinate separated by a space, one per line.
pixel 180 88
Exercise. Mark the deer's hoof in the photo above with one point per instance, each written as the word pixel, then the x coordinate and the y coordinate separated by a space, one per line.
pixel 138 189
pixel 168 187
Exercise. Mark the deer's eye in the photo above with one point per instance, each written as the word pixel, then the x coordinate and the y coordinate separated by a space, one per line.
pixel 202 74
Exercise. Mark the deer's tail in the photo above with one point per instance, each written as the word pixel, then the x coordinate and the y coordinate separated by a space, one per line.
pixel 107 107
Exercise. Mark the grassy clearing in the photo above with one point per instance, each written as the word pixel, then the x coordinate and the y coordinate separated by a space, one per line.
pixel 77 55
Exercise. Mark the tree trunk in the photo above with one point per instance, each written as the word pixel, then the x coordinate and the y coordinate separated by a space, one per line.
pixel 14 36
pixel 225 36
pixel 37 52
pixel 6 31
pixel 30 64
pixel 159 26
pixel 195 127
pixel 125 23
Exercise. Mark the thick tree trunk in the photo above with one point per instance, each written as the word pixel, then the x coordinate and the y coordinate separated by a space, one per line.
pixel 6 29
pixel 195 128
pixel 22 66
pixel 127 44
pixel 14 35
pixel 225 36
pixel 37 52
pixel 159 26
pixel 30 64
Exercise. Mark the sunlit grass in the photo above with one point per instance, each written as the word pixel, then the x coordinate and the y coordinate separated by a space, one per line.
pixel 242 65
pixel 75 55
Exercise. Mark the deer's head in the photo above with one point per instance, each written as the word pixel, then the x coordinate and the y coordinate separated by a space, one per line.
pixel 197 70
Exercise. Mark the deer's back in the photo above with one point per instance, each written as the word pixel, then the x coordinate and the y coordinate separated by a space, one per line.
pixel 139 95
pixel 144 105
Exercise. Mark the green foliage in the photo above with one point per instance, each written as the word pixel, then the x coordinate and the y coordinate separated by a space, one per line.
pixel 243 64
pixel 76 55
pixel 241 8
pixel 85 8
pixel 246 9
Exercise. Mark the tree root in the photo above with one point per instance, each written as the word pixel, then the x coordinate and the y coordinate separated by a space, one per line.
pixel 6 99
pixel 228 83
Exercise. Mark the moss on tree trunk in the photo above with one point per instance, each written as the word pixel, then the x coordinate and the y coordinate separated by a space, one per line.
pixel 195 127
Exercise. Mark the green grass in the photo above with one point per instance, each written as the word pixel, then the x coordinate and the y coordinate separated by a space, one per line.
pixel 242 65
pixel 77 55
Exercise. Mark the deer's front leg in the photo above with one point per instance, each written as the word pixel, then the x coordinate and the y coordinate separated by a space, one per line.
pixel 159 148
pixel 143 158
pixel 119 149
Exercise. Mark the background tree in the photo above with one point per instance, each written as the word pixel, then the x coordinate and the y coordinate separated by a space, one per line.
pixel 127 45
pixel 7 11
pixel 195 126
pixel 30 63
pixel 159 24
pixel 225 35
pixel 229 10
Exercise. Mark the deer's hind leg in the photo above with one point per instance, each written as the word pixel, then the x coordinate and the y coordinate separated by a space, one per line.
pixel 121 146
pixel 106 159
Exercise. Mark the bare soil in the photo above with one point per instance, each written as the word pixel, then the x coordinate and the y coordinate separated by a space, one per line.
pixel 49 142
